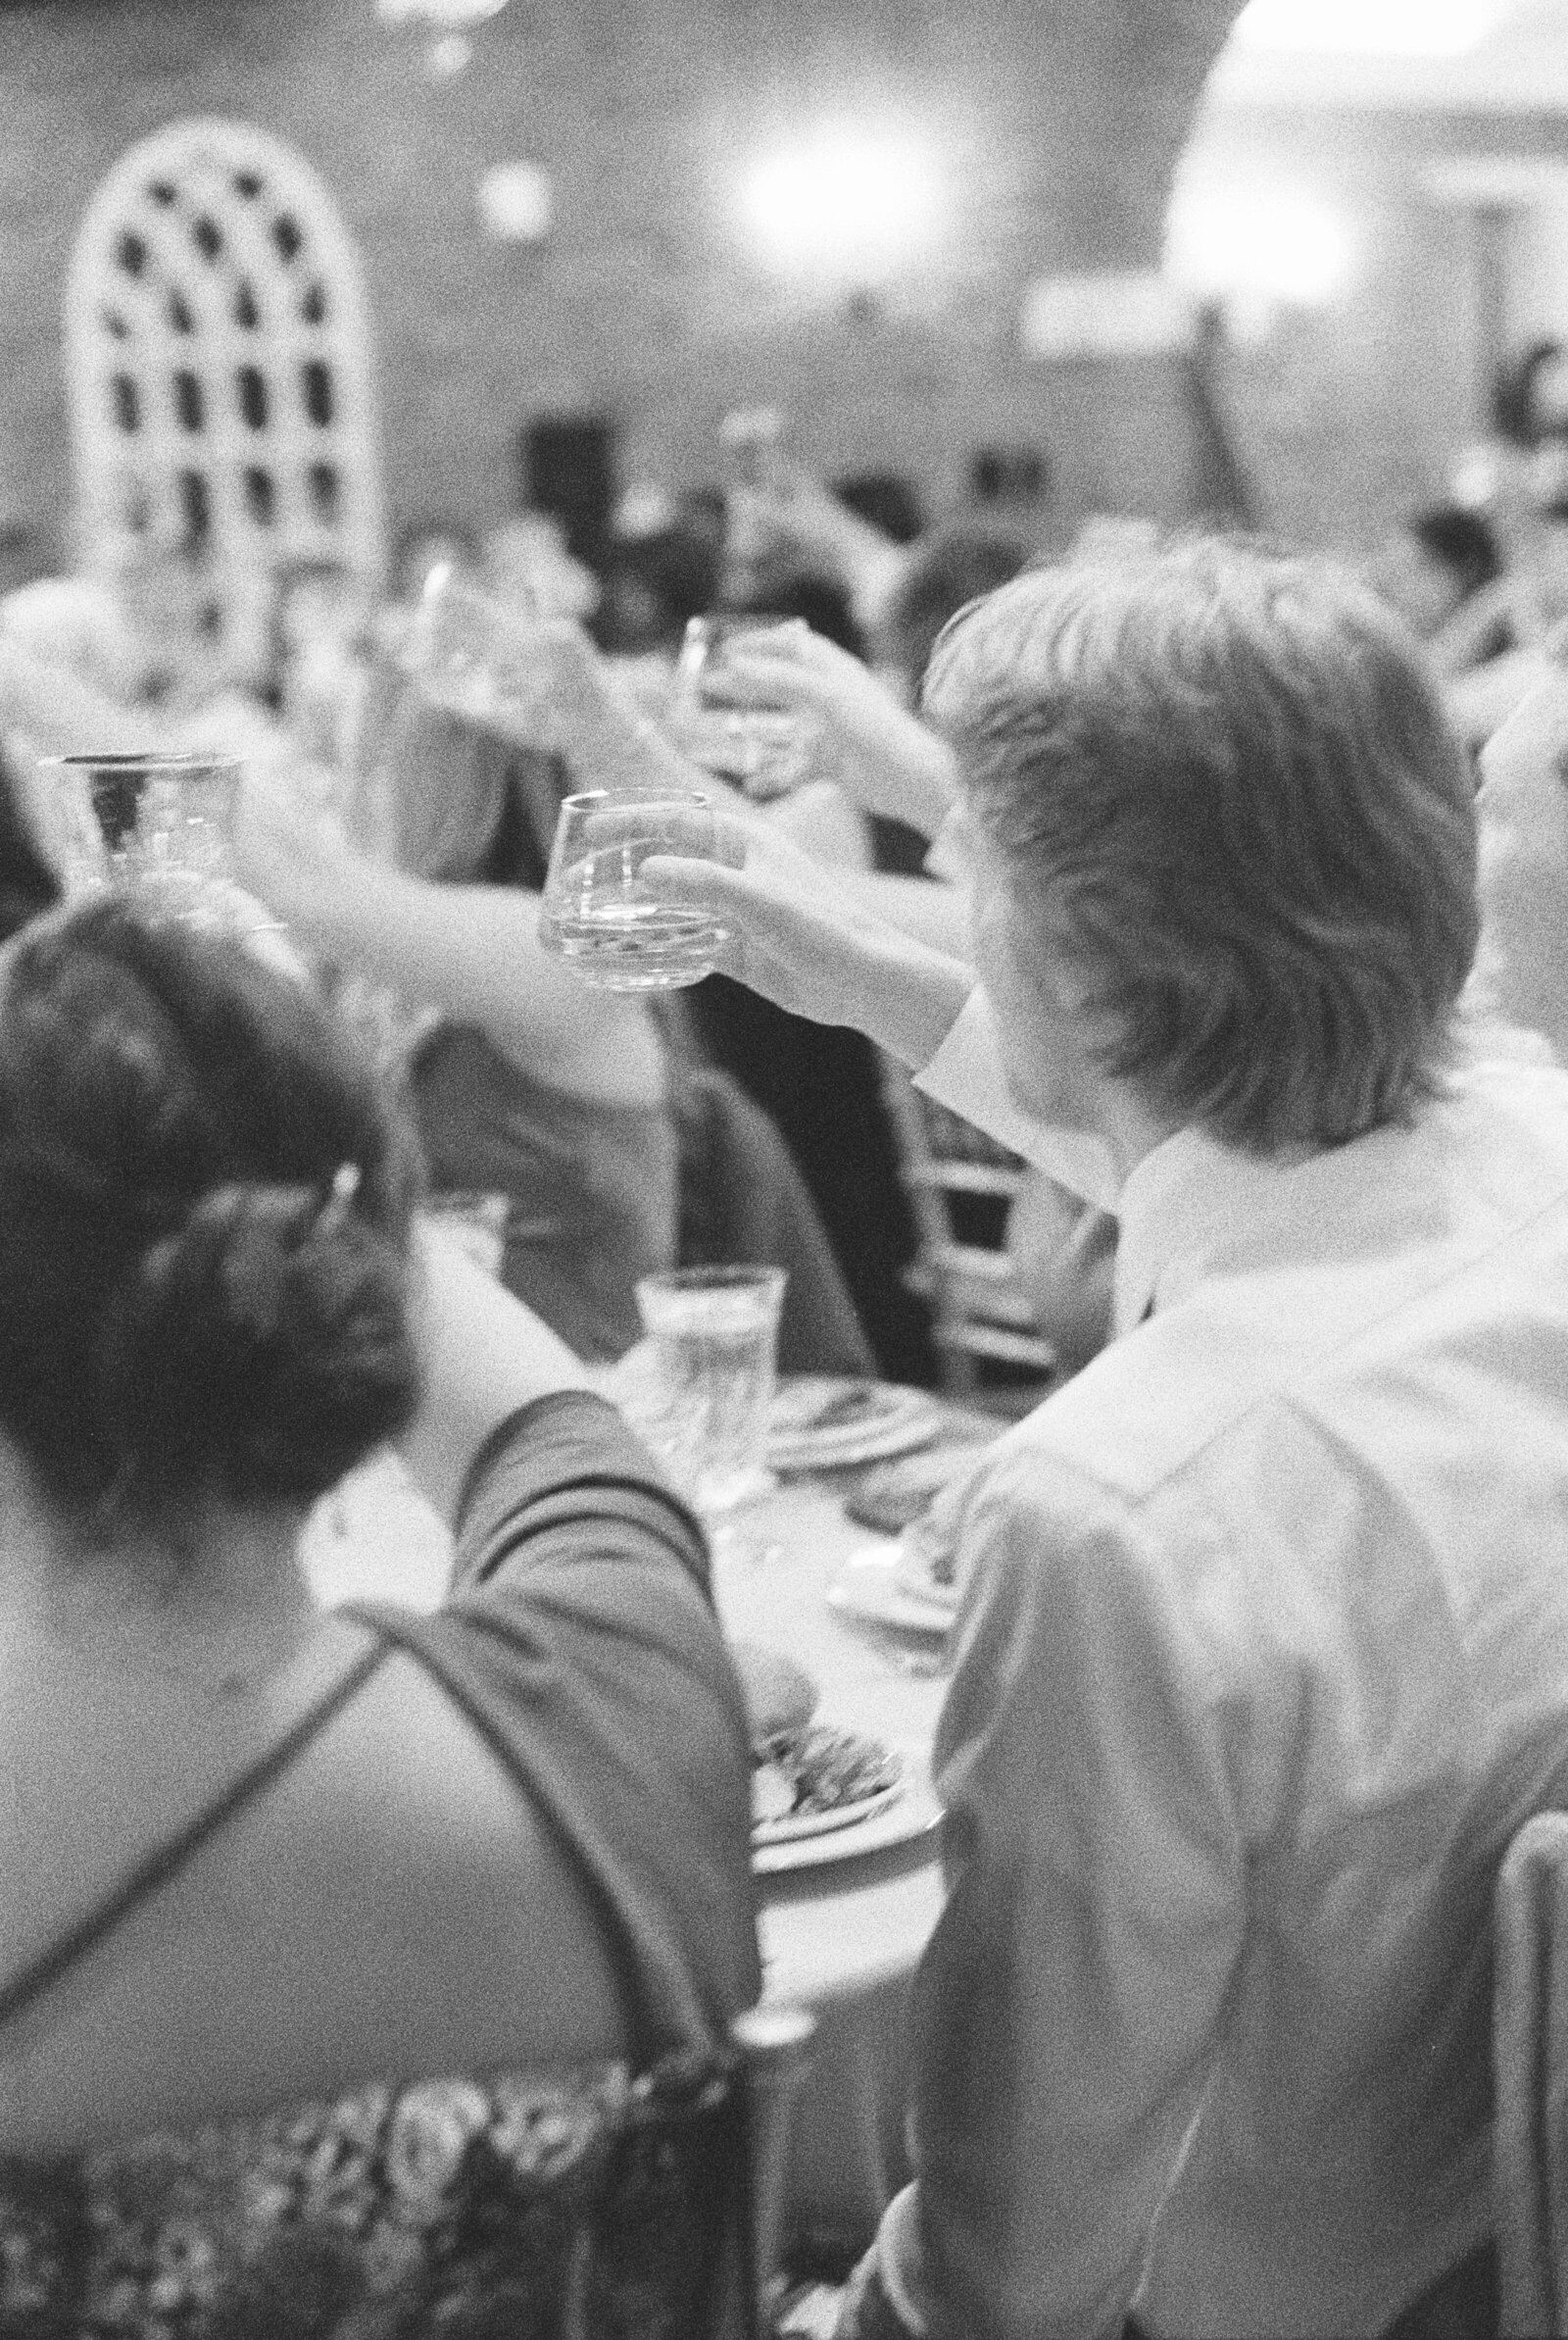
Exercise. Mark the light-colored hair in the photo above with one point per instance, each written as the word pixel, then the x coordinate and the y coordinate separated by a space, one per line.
pixel 1225 777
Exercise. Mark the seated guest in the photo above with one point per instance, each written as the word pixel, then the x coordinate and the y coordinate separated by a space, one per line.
pixel 1262 1654
pixel 366 1845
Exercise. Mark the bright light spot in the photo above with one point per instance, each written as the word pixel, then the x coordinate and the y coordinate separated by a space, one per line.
pixel 1368 28
pixel 516 202
pixel 1254 246
pixel 848 203
pixel 447 57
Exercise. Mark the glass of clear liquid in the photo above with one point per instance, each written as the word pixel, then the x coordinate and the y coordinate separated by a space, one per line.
pixel 155 826
pixel 713 1333
pixel 765 751
pixel 597 911
pixel 473 655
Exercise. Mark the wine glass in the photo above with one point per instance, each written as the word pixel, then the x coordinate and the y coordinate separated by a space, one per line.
pixel 612 929
pixel 766 751
pixel 157 826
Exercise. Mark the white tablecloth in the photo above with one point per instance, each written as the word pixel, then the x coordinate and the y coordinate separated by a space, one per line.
pixel 844 1938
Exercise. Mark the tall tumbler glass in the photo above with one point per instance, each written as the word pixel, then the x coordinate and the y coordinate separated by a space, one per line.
pixel 714 1332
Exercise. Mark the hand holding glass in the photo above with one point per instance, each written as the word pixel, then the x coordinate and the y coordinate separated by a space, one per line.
pixel 765 750
pixel 612 929
pixel 476 656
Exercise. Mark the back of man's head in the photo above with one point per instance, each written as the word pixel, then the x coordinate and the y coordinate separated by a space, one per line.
pixel 1226 779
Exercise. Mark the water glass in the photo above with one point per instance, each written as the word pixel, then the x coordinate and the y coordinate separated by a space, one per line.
pixel 159 826
pixel 612 929
pixel 714 1336
pixel 766 751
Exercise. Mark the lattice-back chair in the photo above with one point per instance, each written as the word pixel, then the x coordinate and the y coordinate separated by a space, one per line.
pixel 219 367
pixel 960 1184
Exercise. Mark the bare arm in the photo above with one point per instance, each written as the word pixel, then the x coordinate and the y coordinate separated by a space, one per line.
pixel 60 716
pixel 471 951
pixel 484 1355
pixel 814 940
pixel 883 757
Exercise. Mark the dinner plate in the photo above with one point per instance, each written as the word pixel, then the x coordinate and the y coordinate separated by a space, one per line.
pixel 909 1812
pixel 823 1759
pixel 800 1827
pixel 867 1587
pixel 819 1422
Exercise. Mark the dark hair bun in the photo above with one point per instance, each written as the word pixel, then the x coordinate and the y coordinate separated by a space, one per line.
pixel 263 1344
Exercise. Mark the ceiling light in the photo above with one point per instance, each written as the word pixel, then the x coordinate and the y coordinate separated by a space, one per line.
pixel 1368 28
pixel 1277 245
pixel 847 204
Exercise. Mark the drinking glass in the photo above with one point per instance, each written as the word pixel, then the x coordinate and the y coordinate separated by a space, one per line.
pixel 159 826
pixel 766 751
pixel 612 929
pixel 472 654
pixel 714 1335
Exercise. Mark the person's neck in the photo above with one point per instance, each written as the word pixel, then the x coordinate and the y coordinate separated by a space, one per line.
pixel 1128 1129
pixel 221 1605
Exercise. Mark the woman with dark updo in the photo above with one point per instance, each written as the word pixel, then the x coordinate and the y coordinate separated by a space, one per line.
pixel 252 1854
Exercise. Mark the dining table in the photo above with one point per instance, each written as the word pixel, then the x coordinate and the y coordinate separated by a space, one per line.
pixel 842 1914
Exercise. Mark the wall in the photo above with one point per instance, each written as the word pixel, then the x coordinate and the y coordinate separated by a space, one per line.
pixel 1348 415
pixel 1062 123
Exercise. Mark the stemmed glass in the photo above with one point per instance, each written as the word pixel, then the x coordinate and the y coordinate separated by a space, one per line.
pixel 766 751
pixel 598 913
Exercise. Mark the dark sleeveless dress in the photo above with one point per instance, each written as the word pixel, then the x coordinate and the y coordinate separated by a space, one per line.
pixel 593 2201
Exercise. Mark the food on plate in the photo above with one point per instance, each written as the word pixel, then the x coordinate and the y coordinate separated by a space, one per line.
pixel 892 1495
pixel 929 1562
pixel 780 1695
pixel 815 1404
pixel 819 1771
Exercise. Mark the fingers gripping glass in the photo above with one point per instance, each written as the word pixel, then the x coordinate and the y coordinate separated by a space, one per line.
pixel 765 749
pixel 614 931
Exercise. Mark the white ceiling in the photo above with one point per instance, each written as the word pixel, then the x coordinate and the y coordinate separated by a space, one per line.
pixel 1521 66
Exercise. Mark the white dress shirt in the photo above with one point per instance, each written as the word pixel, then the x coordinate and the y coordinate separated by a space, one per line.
pixel 1263 1657
pixel 965 1076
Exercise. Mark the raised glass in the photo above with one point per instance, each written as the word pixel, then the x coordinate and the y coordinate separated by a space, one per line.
pixel 610 928
pixel 469 652
pixel 160 826
pixel 766 751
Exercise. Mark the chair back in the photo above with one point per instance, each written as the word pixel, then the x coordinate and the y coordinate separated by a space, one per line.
pixel 585 2206
pixel 1530 2066
pixel 960 1186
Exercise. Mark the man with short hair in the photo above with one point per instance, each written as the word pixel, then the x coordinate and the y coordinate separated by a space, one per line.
pixel 1263 1648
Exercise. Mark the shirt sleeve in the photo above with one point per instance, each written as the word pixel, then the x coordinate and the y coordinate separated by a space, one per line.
pixel 561 1478
pixel 1072 1999
pixel 579 1636
pixel 965 1075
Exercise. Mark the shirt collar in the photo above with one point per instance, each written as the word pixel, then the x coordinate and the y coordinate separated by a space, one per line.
pixel 1189 1202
